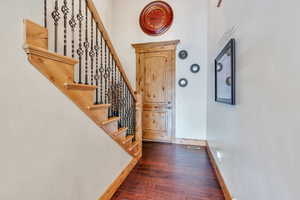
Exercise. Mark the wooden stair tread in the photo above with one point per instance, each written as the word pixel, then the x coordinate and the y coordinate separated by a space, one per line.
pixel 128 139
pixel 120 131
pixel 135 144
pixel 34 50
pixel 137 153
pixel 75 86
pixel 110 120
pixel 99 106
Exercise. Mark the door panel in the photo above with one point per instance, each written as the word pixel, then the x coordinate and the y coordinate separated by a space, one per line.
pixel 157 99
pixel 155 121
pixel 155 74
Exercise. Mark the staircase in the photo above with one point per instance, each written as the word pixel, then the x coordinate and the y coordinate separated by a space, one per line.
pixel 74 52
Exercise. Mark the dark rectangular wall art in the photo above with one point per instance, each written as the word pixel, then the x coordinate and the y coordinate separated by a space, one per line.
pixel 225 74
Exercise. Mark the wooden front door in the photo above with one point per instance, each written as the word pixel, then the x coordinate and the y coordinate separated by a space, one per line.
pixel 156 81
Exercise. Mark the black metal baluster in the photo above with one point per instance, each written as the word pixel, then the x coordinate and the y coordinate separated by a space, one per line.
pixel 92 52
pixel 119 101
pixel 133 116
pixel 118 93
pixel 101 70
pixel 124 104
pixel 72 24
pixel 127 110
pixel 114 87
pixel 105 74
pixel 45 14
pixel 109 83
pixel 80 50
pixel 129 114
pixel 65 11
pixel 97 64
pixel 86 43
pixel 56 17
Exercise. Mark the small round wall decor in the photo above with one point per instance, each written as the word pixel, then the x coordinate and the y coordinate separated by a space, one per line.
pixel 219 67
pixel 183 82
pixel 183 54
pixel 195 68
pixel 156 18
pixel 228 81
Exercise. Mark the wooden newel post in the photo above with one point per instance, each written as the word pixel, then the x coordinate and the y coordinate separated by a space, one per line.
pixel 139 131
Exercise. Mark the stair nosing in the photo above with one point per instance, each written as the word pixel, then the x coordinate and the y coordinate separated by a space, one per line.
pixel 128 138
pixel 120 130
pixel 99 106
pixel 137 153
pixel 74 86
pixel 109 120
pixel 31 49
pixel 133 146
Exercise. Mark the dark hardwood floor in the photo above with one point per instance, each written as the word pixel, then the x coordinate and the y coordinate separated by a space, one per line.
pixel 171 172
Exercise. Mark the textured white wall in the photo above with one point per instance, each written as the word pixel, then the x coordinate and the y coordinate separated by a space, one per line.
pixel 190 26
pixel 48 148
pixel 104 8
pixel 259 137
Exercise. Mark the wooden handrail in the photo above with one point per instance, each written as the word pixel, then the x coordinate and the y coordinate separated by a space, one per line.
pixel 106 37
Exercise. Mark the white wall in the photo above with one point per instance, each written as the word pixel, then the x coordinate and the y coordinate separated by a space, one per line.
pixel 259 137
pixel 190 27
pixel 48 148
pixel 104 8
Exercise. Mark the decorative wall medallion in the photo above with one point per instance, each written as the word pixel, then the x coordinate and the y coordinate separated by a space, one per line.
pixel 183 54
pixel 156 18
pixel 195 68
pixel 183 82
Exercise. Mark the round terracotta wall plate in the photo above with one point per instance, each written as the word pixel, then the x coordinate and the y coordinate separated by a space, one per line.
pixel 156 18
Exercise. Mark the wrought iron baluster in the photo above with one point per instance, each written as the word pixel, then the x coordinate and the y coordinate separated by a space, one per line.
pixel 126 110
pixel 86 44
pixel 80 49
pixel 72 24
pixel 119 100
pixel 45 14
pixel 114 87
pixel 97 64
pixel 129 114
pixel 118 93
pixel 133 116
pixel 109 83
pixel 124 104
pixel 92 52
pixel 65 11
pixel 56 17
pixel 105 75
pixel 101 70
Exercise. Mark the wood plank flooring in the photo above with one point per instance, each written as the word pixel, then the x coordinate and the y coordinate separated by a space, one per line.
pixel 171 172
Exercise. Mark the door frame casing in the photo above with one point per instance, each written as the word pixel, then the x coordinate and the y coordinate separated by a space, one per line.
pixel 141 49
